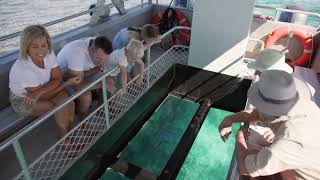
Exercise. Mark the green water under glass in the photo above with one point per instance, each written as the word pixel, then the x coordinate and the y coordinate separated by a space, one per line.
pixel 151 148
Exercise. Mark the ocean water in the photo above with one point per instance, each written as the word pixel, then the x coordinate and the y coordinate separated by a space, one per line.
pixel 307 5
pixel 17 14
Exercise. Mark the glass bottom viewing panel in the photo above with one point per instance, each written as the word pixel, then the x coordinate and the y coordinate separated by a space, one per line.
pixel 154 144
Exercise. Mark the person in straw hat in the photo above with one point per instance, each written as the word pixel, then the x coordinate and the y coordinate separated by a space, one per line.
pixel 267 59
pixel 282 102
pixel 270 59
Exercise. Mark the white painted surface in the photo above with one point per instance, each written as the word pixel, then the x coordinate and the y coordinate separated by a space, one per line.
pixel 311 79
pixel 219 35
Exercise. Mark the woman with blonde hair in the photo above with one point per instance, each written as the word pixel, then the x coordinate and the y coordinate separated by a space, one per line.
pixel 35 80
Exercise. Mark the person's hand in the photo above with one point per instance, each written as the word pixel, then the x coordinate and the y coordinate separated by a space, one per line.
pixel 225 128
pixel 99 67
pixel 31 98
pixel 269 135
pixel 140 80
pixel 73 81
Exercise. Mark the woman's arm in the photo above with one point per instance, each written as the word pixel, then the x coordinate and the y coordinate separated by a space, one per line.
pixel 47 90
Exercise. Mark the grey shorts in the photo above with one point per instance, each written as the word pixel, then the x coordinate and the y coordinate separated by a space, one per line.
pixel 18 105
pixel 130 67
pixel 71 90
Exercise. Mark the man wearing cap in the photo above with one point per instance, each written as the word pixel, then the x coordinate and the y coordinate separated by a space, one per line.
pixel 283 103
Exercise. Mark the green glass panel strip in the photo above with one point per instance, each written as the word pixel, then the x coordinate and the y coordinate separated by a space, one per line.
pixel 111 175
pixel 88 162
pixel 153 145
pixel 209 156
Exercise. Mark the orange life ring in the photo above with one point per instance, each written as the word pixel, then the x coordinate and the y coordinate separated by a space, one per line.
pixel 303 36
pixel 183 36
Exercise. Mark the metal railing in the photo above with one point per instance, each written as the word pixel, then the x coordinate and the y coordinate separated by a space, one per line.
pixel 111 5
pixel 58 158
pixel 278 12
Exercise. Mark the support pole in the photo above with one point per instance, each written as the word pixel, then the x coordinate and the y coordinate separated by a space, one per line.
pixel 148 64
pixel 105 103
pixel 21 159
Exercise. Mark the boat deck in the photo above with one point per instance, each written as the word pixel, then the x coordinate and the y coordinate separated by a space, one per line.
pixel 153 136
pixel 158 140
pixel 45 135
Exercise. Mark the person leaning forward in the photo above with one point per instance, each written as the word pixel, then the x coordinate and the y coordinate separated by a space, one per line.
pixel 148 35
pixel 84 58
pixel 282 102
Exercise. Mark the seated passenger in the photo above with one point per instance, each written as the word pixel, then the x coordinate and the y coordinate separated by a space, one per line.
pixel 270 59
pixel 35 80
pixel 120 58
pixel 148 34
pixel 283 103
pixel 84 58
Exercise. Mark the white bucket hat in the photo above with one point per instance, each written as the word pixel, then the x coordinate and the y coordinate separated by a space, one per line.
pixel 279 93
pixel 269 59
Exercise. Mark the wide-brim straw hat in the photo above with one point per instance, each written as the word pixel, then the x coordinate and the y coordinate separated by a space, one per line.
pixel 270 59
pixel 279 93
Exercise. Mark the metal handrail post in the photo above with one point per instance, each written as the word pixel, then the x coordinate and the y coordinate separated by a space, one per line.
pixel 105 102
pixel 21 159
pixel 188 4
pixel 148 64
pixel 277 17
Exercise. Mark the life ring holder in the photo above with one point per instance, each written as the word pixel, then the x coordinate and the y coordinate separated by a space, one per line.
pixel 306 38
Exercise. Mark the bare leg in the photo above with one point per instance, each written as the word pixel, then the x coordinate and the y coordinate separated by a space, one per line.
pixel 111 85
pixel 133 72
pixel 41 107
pixel 64 117
pixel 84 104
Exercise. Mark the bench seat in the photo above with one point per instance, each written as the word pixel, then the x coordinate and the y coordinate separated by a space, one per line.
pixel 11 122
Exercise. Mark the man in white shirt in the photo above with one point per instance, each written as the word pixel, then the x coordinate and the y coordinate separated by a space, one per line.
pixel 283 103
pixel 84 58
